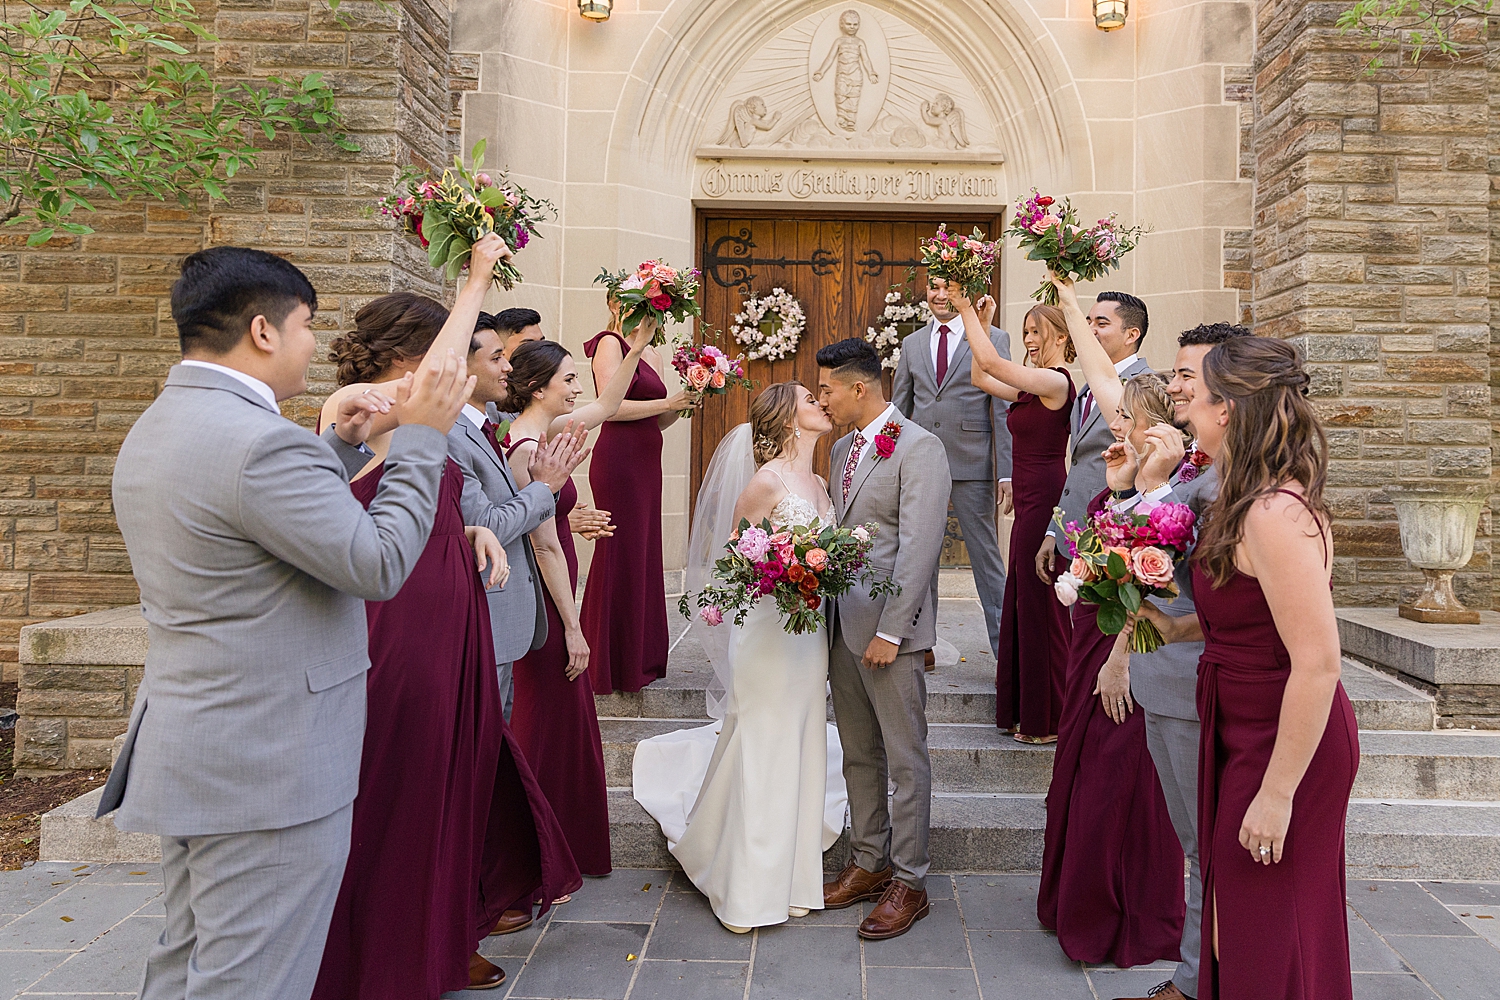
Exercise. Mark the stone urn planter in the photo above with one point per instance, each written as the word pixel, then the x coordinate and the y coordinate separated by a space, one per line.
pixel 1438 524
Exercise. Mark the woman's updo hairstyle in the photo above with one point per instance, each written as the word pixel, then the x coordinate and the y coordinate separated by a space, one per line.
pixel 772 415
pixel 1145 399
pixel 532 366
pixel 1051 322
pixel 1272 437
pixel 392 328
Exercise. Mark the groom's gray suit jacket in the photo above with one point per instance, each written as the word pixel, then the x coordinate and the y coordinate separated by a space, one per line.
pixel 254 562
pixel 518 615
pixel 906 498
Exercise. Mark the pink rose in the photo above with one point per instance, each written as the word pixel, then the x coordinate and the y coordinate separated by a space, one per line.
pixel 697 377
pixel 885 445
pixel 816 559
pixel 483 180
pixel 786 553
pixel 711 615
pixel 717 380
pixel 781 538
pixel 1152 566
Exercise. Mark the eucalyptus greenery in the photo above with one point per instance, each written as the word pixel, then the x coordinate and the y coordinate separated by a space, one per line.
pixel 1410 29
pixel 102 98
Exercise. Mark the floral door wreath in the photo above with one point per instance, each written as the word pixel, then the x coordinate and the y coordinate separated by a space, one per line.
pixel 769 325
pixel 900 317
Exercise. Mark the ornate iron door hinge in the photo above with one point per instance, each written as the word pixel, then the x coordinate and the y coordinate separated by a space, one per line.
pixel 737 263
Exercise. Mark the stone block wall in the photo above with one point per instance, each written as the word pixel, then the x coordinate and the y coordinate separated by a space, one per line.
pixel 85 330
pixel 1371 249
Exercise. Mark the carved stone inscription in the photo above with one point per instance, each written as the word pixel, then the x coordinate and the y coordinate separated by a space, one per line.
pixel 927 184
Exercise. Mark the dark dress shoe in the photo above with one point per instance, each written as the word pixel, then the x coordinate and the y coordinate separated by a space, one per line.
pixel 929 661
pixel 511 921
pixel 1164 991
pixel 899 907
pixel 484 974
pixel 853 885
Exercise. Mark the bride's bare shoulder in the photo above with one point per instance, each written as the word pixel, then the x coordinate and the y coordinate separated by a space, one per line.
pixel 760 496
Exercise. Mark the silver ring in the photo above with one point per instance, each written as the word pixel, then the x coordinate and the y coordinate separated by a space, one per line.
pixel 1264 850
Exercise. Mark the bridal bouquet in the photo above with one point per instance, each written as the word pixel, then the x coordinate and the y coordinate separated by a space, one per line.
pixel 653 288
pixel 450 214
pixel 967 261
pixel 799 566
pixel 1122 558
pixel 708 370
pixel 1053 235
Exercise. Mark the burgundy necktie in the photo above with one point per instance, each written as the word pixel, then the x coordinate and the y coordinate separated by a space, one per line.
pixel 489 432
pixel 1083 407
pixel 942 358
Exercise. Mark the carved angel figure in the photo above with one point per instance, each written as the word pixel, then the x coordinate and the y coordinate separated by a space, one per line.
pixel 745 119
pixel 852 65
pixel 943 115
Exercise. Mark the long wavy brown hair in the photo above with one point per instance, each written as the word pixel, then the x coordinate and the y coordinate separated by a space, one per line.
pixel 1273 437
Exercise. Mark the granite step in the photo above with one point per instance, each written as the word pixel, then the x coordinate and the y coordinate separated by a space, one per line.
pixel 1454 765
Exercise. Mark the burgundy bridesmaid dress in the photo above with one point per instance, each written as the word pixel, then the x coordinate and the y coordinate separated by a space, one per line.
pixel 1112 866
pixel 1281 928
pixel 554 720
pixel 450 828
pixel 625 601
pixel 1034 627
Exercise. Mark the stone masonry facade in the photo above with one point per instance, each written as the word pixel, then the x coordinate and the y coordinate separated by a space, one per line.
pixel 1371 250
pixel 85 329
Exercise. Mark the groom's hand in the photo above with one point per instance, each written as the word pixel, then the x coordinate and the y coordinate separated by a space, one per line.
pixel 880 653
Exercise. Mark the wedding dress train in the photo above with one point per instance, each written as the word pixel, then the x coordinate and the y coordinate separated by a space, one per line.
pixel 749 804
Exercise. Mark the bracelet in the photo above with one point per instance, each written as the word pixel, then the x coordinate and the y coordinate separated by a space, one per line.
pixel 1124 494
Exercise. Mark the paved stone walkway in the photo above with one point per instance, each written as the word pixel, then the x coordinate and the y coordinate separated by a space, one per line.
pixel 81 933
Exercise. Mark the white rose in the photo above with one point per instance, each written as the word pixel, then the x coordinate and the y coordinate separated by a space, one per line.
pixel 860 533
pixel 1067 589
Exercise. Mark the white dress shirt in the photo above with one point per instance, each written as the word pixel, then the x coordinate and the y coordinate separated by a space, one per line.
pixel 868 432
pixel 261 389
pixel 476 416
pixel 955 334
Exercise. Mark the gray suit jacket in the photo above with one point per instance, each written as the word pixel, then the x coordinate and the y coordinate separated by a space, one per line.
pixel 906 498
pixel 1166 681
pixel 969 421
pixel 254 562
pixel 1086 462
pixel 518 615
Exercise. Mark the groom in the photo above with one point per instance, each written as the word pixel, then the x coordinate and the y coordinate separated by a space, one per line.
pixel 893 474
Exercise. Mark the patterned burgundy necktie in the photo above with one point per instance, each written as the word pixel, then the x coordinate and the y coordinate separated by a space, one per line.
pixel 942 358
pixel 849 466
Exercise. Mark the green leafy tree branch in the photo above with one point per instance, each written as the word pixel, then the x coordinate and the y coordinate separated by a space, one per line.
pixel 103 97
pixel 1404 31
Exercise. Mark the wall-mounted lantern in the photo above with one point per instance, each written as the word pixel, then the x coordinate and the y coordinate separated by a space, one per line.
pixel 1110 14
pixel 596 10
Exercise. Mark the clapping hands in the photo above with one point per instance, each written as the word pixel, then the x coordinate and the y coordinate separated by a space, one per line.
pixel 554 460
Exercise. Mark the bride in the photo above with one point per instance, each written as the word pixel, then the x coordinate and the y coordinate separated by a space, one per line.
pixel 750 803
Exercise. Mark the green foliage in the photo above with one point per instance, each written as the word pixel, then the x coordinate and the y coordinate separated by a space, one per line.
pixel 102 96
pixel 1405 30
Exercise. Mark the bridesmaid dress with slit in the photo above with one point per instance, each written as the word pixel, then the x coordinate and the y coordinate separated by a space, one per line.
pixel 450 827
pixel 554 720
pixel 625 600
pixel 1112 866
pixel 1281 927
pixel 1034 627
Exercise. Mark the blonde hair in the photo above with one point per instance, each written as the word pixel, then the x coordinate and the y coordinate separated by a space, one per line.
pixel 1146 394
pixel 771 414
pixel 1051 316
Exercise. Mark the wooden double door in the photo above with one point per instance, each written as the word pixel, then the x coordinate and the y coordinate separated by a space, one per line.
pixel 840 266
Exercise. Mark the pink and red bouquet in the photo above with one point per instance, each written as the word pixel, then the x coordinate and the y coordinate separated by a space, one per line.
pixel 709 371
pixel 450 214
pixel 967 261
pixel 800 567
pixel 654 288
pixel 1052 234
pixel 1122 558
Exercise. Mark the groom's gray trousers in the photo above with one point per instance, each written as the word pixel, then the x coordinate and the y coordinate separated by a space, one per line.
pixel 882 720
pixel 247 913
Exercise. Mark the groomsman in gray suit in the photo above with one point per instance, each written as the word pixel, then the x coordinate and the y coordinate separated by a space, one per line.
pixel 932 387
pixel 254 561
pixel 1119 321
pixel 890 472
pixel 518 615
pixel 1165 682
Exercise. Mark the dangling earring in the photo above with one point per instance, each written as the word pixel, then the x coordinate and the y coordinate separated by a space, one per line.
pixel 796 432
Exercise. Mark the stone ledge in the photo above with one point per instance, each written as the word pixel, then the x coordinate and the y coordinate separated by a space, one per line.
pixel 115 637
pixel 71 833
pixel 1434 654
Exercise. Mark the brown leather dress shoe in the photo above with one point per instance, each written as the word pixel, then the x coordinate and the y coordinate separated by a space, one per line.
pixel 853 885
pixel 1163 991
pixel 511 921
pixel 484 974
pixel 929 661
pixel 899 907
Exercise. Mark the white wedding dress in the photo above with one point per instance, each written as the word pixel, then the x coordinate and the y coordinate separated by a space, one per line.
pixel 749 804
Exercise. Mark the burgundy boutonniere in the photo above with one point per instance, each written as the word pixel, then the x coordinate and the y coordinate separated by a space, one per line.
pixel 885 441
pixel 1195 462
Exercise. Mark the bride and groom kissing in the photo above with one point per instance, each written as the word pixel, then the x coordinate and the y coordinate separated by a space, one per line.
pixel 749 803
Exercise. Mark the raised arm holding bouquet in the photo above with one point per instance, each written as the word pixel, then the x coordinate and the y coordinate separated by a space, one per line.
pixel 1051 233
pixel 449 215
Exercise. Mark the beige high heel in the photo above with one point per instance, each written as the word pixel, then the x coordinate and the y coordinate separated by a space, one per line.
pixel 797 911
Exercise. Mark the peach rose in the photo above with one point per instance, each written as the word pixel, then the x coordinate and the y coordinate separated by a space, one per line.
pixel 1120 551
pixel 816 559
pixel 1082 570
pixel 1152 566
pixel 716 380
pixel 698 377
